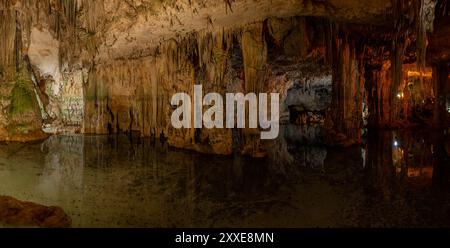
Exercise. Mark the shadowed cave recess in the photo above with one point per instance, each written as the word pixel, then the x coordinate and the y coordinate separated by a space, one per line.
pixel 85 120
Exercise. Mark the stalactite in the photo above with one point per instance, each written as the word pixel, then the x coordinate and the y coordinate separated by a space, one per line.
pixel 254 50
pixel 397 73
pixel 411 18
pixel 214 52
pixel 421 38
pixel 136 92
pixel 348 83
pixel 94 14
pixel 70 11
pixel 8 37
pixel 132 94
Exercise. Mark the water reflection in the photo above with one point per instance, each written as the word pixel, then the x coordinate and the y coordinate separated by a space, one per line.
pixel 298 146
pixel 395 179
pixel 407 179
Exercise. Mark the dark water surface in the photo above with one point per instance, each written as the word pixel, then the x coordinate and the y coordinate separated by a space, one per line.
pixel 395 179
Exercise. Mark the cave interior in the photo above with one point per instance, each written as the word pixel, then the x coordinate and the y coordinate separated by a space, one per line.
pixel 85 90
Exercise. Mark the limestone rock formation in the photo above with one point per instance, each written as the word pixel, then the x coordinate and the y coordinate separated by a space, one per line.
pixel 97 66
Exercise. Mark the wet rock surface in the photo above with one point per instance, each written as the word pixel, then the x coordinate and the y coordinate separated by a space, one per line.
pixel 17 213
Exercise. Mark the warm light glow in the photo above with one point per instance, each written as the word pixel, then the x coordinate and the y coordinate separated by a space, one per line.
pixel 400 95
pixel 397 157
pixel 426 171
pixel 420 74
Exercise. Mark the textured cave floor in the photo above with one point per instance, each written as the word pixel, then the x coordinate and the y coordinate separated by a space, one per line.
pixel 103 181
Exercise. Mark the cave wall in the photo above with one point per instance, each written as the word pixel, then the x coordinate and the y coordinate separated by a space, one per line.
pixel 20 116
pixel 112 66
pixel 39 47
pixel 134 95
pixel 130 95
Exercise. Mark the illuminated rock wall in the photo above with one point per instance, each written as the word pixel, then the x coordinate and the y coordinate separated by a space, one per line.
pixel 113 66
pixel 134 94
